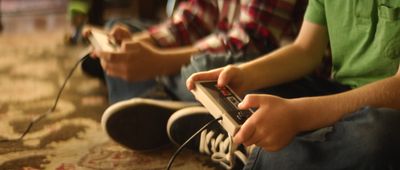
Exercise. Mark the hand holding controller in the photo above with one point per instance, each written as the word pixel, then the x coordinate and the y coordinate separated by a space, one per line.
pixel 222 101
pixel 101 41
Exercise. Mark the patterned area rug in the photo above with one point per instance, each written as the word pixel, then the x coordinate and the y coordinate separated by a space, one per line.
pixel 32 69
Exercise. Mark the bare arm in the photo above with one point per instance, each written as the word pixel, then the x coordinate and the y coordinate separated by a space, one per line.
pixel 277 121
pixel 172 59
pixel 138 61
pixel 383 93
pixel 288 63
pixel 283 65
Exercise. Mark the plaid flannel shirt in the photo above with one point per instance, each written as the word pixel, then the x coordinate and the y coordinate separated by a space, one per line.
pixel 224 25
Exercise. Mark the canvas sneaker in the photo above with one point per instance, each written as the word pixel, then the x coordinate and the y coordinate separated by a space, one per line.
pixel 92 67
pixel 213 141
pixel 139 124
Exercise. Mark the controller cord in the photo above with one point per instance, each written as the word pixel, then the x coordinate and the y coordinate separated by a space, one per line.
pixel 53 108
pixel 188 140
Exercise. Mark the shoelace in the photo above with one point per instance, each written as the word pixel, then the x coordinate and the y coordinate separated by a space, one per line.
pixel 222 149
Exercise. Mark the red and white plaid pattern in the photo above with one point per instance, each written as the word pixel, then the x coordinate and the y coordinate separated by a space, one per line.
pixel 222 25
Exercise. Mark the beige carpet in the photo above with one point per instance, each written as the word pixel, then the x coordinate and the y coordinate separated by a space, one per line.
pixel 32 69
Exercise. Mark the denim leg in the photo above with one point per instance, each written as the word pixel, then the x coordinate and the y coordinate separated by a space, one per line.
pixel 119 89
pixel 176 84
pixel 366 139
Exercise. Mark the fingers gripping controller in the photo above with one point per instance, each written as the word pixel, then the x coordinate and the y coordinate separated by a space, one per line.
pixel 101 41
pixel 222 101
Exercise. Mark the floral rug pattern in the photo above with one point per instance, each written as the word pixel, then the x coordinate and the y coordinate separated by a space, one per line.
pixel 32 69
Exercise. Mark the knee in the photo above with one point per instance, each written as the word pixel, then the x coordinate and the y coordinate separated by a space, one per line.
pixel 377 130
pixel 379 120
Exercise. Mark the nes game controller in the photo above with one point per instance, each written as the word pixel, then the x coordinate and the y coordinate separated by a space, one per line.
pixel 101 41
pixel 222 102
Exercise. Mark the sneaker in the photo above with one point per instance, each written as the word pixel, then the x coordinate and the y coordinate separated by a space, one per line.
pixel 213 140
pixel 92 67
pixel 139 124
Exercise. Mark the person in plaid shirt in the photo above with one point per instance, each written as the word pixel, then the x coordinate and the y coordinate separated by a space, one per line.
pixel 222 26
pixel 201 35
pixel 206 28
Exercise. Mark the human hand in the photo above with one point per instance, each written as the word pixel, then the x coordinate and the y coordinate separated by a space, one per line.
pixel 272 126
pixel 100 40
pixel 120 33
pixel 85 33
pixel 135 61
pixel 229 75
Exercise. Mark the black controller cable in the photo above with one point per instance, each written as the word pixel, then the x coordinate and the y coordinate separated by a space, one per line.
pixel 188 140
pixel 53 108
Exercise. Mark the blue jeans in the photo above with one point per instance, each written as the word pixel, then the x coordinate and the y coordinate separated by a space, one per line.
pixel 366 139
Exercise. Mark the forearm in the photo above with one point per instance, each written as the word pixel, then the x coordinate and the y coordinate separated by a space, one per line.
pixel 172 59
pixel 176 58
pixel 143 36
pixel 286 64
pixel 326 110
pixel 161 61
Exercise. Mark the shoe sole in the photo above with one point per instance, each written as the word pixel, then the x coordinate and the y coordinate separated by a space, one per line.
pixel 183 113
pixel 140 124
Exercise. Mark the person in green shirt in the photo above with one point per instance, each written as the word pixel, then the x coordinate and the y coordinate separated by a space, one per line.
pixel 350 122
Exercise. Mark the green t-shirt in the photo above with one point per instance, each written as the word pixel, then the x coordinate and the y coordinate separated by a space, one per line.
pixel 364 37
